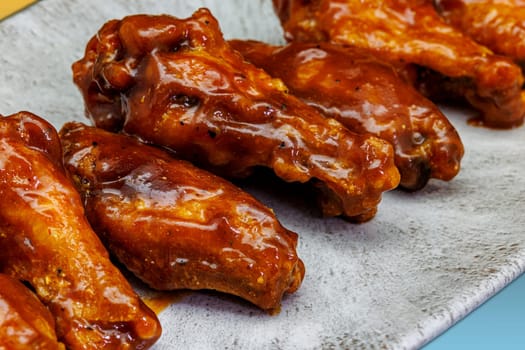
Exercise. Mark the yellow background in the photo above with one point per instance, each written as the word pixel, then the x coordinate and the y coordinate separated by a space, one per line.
pixel 8 7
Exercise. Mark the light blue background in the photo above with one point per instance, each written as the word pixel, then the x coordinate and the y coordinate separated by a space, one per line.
pixel 497 324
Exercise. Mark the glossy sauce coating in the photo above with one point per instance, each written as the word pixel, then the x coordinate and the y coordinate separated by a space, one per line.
pixel 367 96
pixel 25 324
pixel 176 226
pixel 47 241
pixel 497 24
pixel 411 32
pixel 178 84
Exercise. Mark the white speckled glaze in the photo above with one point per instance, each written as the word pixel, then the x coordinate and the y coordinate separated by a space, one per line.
pixel 424 262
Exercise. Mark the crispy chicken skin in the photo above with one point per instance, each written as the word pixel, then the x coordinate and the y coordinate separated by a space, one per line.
pixel 178 84
pixel 25 323
pixel 47 241
pixel 440 60
pixel 497 24
pixel 177 226
pixel 367 96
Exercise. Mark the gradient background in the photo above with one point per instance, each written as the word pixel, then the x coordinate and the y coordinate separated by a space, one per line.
pixel 497 324
pixel 8 7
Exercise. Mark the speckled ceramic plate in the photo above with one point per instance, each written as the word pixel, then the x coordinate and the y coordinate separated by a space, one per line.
pixel 425 260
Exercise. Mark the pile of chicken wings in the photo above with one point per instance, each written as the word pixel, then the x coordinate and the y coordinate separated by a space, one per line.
pixel 346 107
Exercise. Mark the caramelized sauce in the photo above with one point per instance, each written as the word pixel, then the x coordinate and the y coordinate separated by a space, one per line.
pixel 159 301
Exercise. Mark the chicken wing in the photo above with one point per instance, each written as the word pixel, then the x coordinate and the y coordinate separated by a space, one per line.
pixel 47 242
pixel 177 226
pixel 367 96
pixel 178 84
pixel 497 24
pixel 25 323
pixel 439 60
